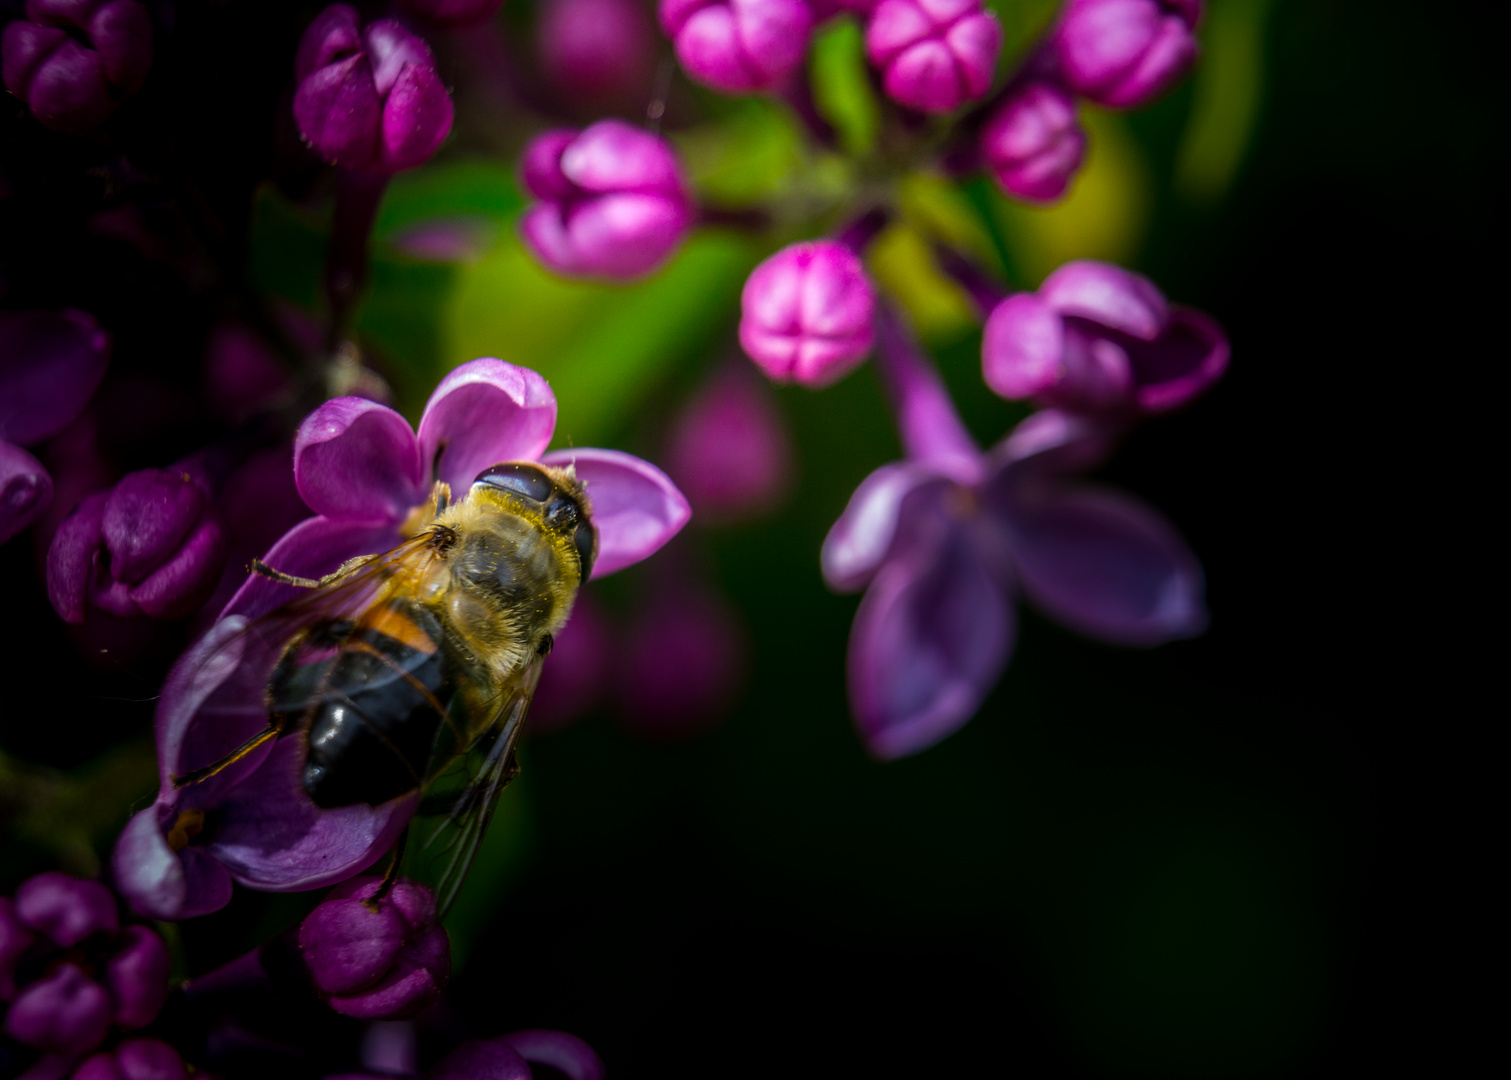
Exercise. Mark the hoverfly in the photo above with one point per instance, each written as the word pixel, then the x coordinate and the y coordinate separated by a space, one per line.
pixel 412 670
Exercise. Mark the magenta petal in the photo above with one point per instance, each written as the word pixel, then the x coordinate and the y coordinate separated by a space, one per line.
pixel 636 507
pixel 1109 295
pixel 484 412
pixel 1050 442
pixel 930 639
pixel 158 882
pixel 416 118
pixel 137 976
pixel 313 548
pixel 492 1059
pixel 866 532
pixel 1022 347
pixel 25 490
pixel 559 1050
pixel 1189 356
pixel 50 364
pixel 1107 565
pixel 358 460
pixel 66 909
pixel 64 1012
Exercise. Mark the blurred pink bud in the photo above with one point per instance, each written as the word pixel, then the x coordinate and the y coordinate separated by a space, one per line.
pixel 613 201
pixel 453 14
pixel 242 374
pixel 596 50
pixel 369 97
pixel 935 55
pixel 682 664
pixel 578 669
pixel 1125 53
pixel 738 45
pixel 74 61
pixel 1032 144
pixel 806 313
pixel 730 453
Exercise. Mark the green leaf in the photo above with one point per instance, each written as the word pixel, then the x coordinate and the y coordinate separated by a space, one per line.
pixel 743 158
pixel 841 89
pixel 1227 93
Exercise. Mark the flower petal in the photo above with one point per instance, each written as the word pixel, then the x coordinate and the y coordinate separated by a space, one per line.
pixel 1107 565
pixel 159 883
pixel 1109 295
pixel 930 639
pixel 313 548
pixel 484 412
pixel 50 364
pixel 636 507
pixel 1050 442
pixel 1189 356
pixel 358 460
pixel 866 533
pixel 491 1059
pixel 25 490
pixel 558 1049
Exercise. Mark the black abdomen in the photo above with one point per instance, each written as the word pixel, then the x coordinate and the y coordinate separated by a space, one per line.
pixel 372 703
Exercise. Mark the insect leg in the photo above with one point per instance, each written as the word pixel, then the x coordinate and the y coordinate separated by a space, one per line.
pixel 260 567
pixel 194 776
pixel 390 875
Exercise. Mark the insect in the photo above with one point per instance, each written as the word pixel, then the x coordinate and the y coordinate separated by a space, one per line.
pixel 412 669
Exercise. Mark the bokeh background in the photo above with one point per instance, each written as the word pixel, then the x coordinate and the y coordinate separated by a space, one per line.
pixel 1202 860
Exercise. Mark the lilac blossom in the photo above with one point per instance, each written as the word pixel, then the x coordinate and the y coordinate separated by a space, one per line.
pixel 369 97
pixel 151 546
pixel 806 313
pixel 738 45
pixel 376 959
pixel 73 61
pixel 69 972
pixel 453 14
pixel 1032 143
pixel 1098 338
pixel 613 202
pixel 729 450
pixel 596 50
pixel 935 55
pixel 945 540
pixel 364 472
pixel 50 365
pixel 135 1059
pixel 1125 53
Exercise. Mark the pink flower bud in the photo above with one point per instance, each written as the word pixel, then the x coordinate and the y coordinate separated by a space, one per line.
pixel 368 98
pixel 806 313
pixel 613 201
pixel 730 452
pixel 72 61
pixel 596 50
pixel 935 54
pixel 453 14
pixel 738 45
pixel 1032 144
pixel 1125 53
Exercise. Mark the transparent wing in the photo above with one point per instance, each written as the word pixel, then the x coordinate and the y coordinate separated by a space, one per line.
pixel 463 787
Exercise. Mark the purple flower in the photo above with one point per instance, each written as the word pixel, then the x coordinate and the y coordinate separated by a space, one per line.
pixel 1098 338
pixel 1033 144
pixel 729 450
pixel 50 364
pixel 944 541
pixel 74 61
pixel 1125 53
pixel 69 971
pixel 151 546
pixel 135 1059
pixel 363 470
pixel 596 50
pixel 574 680
pixel 368 99
pixel 453 14
pixel 806 313
pixel 507 1058
pixel 935 55
pixel 738 45
pixel 613 201
pixel 376 963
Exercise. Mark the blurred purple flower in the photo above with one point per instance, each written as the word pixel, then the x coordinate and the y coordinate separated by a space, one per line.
pixel 1098 338
pixel 376 963
pixel 935 55
pixel 363 470
pixel 74 61
pixel 507 1058
pixel 613 201
pixel 806 313
pixel 944 540
pixel 151 546
pixel 1033 144
pixel 681 663
pixel 597 51
pixel 242 374
pixel 51 362
pixel 69 971
pixel 574 679
pixel 135 1059
pixel 729 450
pixel 369 98
pixel 738 45
pixel 1125 53
pixel 453 14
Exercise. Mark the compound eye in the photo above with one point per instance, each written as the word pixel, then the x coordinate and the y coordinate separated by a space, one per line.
pixel 563 514
pixel 587 548
pixel 518 478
